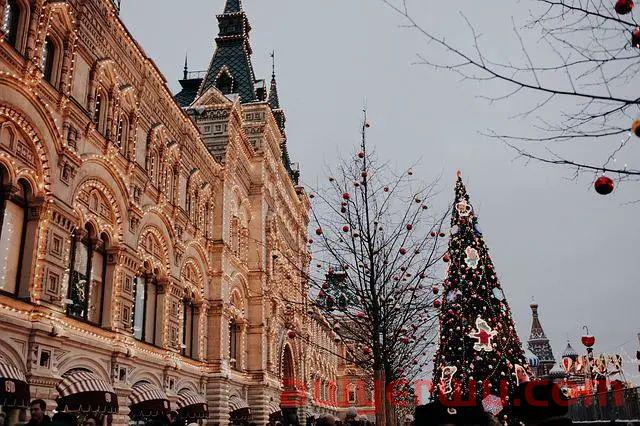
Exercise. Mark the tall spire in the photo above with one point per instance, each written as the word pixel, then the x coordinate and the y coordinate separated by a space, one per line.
pixel 539 343
pixel 231 70
pixel 274 100
pixel 186 66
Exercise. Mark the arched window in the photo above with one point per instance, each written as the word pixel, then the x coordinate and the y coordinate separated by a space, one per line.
pixel 49 57
pixel 87 276
pixel 14 211
pixel 13 14
pixel 123 130
pixel 188 327
pixel 100 112
pixel 224 83
pixel 145 308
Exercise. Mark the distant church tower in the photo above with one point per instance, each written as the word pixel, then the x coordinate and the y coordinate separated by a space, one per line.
pixel 539 345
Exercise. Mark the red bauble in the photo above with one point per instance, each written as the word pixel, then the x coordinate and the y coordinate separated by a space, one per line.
pixel 433 234
pixel 291 334
pixel 604 185
pixel 386 189
pixel 318 231
pixel 361 154
pixel 409 227
pixel 635 38
pixel 405 340
pixel 623 6
pixel 310 241
pixel 436 290
pixel 346 196
pixel 446 258
pixel 345 228
pixel 403 251
pixel 325 285
pixel 366 350
pixel 360 315
pixel 588 340
pixel 436 304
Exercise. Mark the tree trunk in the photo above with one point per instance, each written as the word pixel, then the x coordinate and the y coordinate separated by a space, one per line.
pixel 380 385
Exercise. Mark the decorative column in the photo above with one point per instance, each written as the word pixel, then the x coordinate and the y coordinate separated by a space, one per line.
pixel 31 250
pixel 34 21
pixel 113 279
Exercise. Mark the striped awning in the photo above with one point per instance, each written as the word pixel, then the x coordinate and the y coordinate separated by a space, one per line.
pixel 237 403
pixel 14 389
pixel 273 408
pixel 192 405
pixel 147 400
pixel 82 390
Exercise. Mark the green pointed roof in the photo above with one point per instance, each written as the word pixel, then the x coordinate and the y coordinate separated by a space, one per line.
pixel 231 69
pixel 233 6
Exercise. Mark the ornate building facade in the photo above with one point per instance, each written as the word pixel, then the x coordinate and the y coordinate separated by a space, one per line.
pixel 151 245
pixel 538 343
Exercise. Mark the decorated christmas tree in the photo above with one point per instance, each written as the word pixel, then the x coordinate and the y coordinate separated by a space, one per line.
pixel 480 358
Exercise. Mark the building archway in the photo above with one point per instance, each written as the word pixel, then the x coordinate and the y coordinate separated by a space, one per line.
pixel 290 398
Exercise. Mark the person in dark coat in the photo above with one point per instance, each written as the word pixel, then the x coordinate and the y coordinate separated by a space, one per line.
pixel 438 414
pixel 541 403
pixel 38 410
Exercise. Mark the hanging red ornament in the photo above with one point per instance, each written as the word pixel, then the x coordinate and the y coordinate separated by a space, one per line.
pixel 409 227
pixel 361 154
pixel 325 285
pixel 623 6
pixel 604 185
pixel 635 38
pixel 364 174
pixel 345 228
pixel 310 241
pixel 346 196
pixel 436 304
pixel 588 340
pixel 436 290
pixel 386 189
pixel 433 234
pixel 403 251
pixel 405 340
pixel 318 231
pixel 291 334
pixel 360 315
pixel 635 127
pixel 366 350
pixel 446 258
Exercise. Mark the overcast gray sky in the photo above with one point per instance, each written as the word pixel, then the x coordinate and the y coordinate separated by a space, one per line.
pixel 551 238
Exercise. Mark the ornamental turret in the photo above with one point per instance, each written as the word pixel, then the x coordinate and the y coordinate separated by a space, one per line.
pixel 539 344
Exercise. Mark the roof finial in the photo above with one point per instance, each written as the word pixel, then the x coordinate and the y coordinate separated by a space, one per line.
pixel 186 65
pixel 459 174
pixel 273 64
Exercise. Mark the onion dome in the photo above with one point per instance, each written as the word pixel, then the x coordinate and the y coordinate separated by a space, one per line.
pixel 557 372
pixel 532 359
pixel 569 352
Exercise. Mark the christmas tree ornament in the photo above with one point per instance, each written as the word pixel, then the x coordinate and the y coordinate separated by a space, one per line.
pixel 463 208
pixel 403 251
pixel 483 335
pixel 361 154
pixel 409 227
pixel 437 304
pixel 472 257
pixel 446 379
pixel 386 189
pixel 635 38
pixel 623 7
pixel 345 228
pixel 318 231
pixel 492 404
pixel 635 127
pixel 604 185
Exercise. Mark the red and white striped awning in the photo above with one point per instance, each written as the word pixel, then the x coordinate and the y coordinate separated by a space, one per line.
pixel 188 397
pixel 80 381
pixel 237 403
pixel 10 372
pixel 144 391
